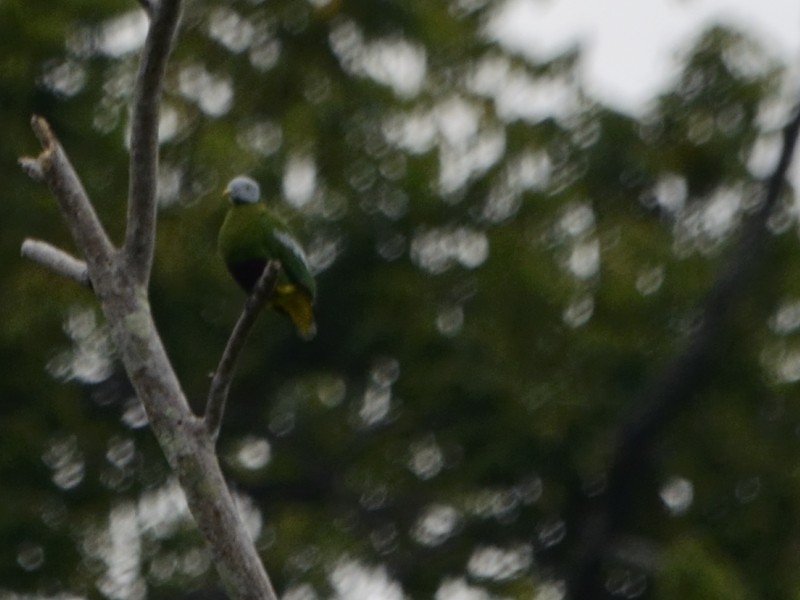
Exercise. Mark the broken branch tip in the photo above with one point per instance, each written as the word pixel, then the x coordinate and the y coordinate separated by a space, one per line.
pixel 42 130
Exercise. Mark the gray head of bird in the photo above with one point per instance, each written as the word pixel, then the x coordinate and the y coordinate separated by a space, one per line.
pixel 243 190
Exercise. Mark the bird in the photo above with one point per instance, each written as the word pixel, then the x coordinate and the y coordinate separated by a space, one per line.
pixel 252 234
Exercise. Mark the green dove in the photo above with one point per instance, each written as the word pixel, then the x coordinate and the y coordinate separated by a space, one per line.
pixel 251 235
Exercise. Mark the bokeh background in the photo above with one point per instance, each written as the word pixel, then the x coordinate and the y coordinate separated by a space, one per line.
pixel 504 262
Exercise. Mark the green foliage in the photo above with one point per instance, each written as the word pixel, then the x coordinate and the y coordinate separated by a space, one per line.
pixel 692 571
pixel 497 280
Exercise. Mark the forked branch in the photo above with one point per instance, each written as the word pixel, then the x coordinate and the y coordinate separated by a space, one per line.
pixel 120 281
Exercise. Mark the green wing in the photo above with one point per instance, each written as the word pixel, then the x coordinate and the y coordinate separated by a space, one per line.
pixel 282 245
pixel 251 233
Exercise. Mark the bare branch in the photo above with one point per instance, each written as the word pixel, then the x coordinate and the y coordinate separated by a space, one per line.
pixel 54 167
pixel 186 444
pixel 56 260
pixel 121 290
pixel 140 233
pixel 221 382
pixel 674 388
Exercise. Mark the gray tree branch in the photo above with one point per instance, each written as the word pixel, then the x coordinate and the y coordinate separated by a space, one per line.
pixel 141 226
pixel 120 281
pixel 55 169
pixel 674 388
pixel 56 260
pixel 221 382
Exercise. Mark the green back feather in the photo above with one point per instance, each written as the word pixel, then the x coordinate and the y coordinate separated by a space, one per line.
pixel 253 231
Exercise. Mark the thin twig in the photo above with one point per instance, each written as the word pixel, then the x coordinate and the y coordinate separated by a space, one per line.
pixel 73 202
pixel 221 382
pixel 140 234
pixel 674 388
pixel 56 260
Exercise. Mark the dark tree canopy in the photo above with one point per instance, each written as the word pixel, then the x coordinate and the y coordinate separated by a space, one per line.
pixel 504 266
